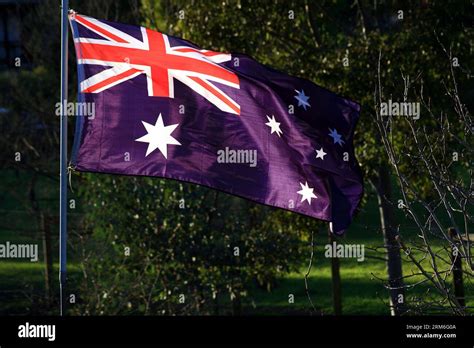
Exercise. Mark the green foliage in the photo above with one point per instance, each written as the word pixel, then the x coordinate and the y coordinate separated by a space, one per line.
pixel 183 239
pixel 190 251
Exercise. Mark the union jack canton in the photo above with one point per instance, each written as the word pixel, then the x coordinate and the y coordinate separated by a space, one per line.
pixel 153 56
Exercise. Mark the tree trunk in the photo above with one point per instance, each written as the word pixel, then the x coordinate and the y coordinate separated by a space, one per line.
pixel 457 267
pixel 43 227
pixel 237 304
pixel 48 262
pixel 216 305
pixel 336 279
pixel 387 224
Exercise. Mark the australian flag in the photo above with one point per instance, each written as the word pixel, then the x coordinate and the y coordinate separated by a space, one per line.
pixel 167 108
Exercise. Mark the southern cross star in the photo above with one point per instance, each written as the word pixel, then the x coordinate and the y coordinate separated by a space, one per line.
pixel 306 192
pixel 336 137
pixel 159 136
pixel 302 99
pixel 274 125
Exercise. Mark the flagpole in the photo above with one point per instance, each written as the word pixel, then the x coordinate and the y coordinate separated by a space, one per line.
pixel 63 159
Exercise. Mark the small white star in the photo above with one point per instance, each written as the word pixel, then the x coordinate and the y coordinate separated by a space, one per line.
pixel 274 125
pixel 159 136
pixel 306 192
pixel 320 153
pixel 336 136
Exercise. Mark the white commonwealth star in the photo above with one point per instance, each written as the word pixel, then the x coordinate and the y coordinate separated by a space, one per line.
pixel 159 136
pixel 306 192
pixel 274 125
pixel 320 153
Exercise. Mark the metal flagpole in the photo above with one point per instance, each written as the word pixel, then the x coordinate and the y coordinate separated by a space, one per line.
pixel 63 158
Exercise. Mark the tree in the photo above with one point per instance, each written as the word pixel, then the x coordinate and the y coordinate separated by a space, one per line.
pixel 336 46
pixel 439 149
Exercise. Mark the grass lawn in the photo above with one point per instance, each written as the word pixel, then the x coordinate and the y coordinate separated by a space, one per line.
pixel 22 282
pixel 362 290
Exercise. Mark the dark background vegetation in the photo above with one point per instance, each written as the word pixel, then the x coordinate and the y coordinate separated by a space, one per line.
pixel 183 238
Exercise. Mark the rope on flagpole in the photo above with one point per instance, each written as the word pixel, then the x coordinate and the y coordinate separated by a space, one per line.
pixel 308 272
pixel 63 175
pixel 70 169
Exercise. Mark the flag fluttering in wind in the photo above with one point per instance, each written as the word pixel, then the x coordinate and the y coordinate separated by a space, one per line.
pixel 167 108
